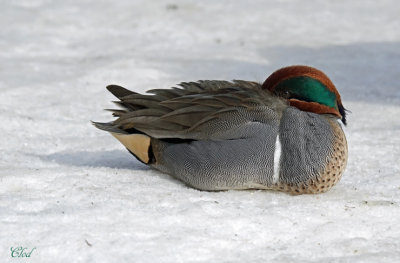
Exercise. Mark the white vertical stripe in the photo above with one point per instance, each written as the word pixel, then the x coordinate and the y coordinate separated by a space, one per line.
pixel 277 157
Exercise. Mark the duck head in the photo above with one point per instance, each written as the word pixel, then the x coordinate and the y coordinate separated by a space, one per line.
pixel 307 89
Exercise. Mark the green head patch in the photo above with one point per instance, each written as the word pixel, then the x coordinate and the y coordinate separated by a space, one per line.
pixel 306 89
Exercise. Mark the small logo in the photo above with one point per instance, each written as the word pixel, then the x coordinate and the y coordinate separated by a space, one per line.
pixel 21 252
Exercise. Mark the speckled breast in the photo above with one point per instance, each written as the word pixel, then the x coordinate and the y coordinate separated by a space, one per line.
pixel 314 153
pixel 334 168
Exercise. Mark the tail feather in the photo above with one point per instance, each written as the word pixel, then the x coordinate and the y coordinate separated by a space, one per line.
pixel 119 91
pixel 117 112
pixel 108 126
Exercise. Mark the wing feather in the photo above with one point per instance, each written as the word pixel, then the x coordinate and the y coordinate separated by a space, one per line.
pixel 198 110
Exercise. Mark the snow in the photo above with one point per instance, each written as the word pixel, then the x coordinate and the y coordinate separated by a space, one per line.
pixel 76 195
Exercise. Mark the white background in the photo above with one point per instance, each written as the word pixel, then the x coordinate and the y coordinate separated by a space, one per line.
pixel 76 195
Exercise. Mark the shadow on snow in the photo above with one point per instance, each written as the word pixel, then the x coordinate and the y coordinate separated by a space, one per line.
pixel 111 159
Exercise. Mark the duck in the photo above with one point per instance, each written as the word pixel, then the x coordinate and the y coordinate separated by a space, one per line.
pixel 285 134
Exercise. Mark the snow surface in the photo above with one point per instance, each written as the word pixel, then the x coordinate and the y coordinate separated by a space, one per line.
pixel 76 195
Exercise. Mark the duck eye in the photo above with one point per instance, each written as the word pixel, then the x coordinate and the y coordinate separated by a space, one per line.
pixel 286 94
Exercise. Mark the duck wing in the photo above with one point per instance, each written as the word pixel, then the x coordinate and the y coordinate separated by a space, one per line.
pixel 203 110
